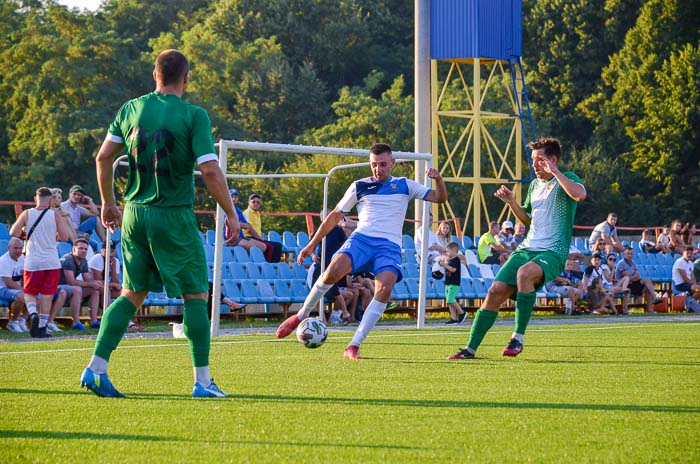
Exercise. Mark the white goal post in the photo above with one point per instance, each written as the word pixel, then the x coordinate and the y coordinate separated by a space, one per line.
pixel 224 146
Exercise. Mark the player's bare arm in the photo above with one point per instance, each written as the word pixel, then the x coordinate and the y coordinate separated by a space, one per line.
pixel 507 196
pixel 439 193
pixel 332 220
pixel 20 223
pixel 111 216
pixel 216 184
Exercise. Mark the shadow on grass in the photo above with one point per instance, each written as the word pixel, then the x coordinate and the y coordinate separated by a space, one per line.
pixel 388 402
pixel 45 435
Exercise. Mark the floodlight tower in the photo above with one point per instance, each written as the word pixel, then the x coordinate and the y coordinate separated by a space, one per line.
pixel 480 119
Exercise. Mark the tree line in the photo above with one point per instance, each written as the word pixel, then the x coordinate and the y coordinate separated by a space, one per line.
pixel 616 80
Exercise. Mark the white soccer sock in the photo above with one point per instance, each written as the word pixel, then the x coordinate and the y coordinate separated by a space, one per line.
pixel 31 307
pixel 202 376
pixel 372 314
pixel 43 320
pixel 98 365
pixel 312 299
pixel 518 337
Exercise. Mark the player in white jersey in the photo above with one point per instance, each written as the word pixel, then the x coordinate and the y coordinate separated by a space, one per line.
pixel 549 210
pixel 375 246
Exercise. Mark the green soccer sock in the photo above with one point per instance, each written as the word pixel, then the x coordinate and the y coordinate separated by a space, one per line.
pixel 482 323
pixel 196 328
pixel 114 324
pixel 523 310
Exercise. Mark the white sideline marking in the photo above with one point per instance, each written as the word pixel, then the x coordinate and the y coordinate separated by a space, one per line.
pixel 374 336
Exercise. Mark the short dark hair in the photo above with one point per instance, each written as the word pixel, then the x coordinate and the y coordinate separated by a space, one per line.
pixel 80 240
pixel 452 246
pixel 550 145
pixel 171 66
pixel 43 192
pixel 379 148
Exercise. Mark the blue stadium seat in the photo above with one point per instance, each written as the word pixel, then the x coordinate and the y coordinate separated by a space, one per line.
pixel 240 255
pixel 236 270
pixel 257 256
pixel 4 233
pixel 409 257
pixel 299 290
pixel 249 292
pixel 231 289
pixel 63 248
pixel 299 271
pixel 407 243
pixel 302 239
pixel 400 292
pixel 439 288
pixel 274 236
pixel 411 270
pixel 480 288
pixel 253 271
pixel 208 252
pixel 210 236
pixel 269 271
pixel 476 242
pixel 466 289
pixel 3 245
pixel 289 242
pixel 267 294
pixel 474 271
pixel 284 271
pixel 282 292
pixel 227 255
pixel 467 242
pixel 412 288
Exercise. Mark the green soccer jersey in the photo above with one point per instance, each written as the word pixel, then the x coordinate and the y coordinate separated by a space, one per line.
pixel 165 138
pixel 552 214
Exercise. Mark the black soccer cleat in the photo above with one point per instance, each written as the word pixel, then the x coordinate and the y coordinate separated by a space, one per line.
pixel 514 348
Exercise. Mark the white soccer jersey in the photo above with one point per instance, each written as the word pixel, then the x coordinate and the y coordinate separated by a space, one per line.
pixel 381 206
pixel 681 264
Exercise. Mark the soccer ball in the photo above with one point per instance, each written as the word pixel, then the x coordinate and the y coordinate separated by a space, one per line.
pixel 312 333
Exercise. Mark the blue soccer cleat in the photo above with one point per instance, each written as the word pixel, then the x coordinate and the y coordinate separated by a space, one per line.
pixel 212 391
pixel 99 384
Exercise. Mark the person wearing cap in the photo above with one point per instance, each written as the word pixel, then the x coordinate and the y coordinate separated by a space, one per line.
pixel 254 239
pixel 252 213
pixel 506 236
pixel 490 249
pixel 166 137
pixel 80 206
pixel 549 210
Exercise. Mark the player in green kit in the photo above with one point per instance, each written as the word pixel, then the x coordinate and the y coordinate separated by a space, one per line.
pixel 549 210
pixel 165 138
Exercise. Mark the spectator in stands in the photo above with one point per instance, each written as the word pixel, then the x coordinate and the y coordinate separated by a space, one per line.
pixel 255 239
pixel 11 269
pixel 81 206
pixel 519 234
pixel 651 246
pixel 435 248
pixel 688 234
pixel 663 241
pixel 567 285
pixel 78 282
pixel 97 267
pixel 444 235
pixel 600 247
pixel 675 240
pixel 683 277
pixel 62 214
pixel 638 286
pixel 596 271
pixel 506 236
pixel 41 264
pixel 252 214
pixel 453 278
pixel 608 232
pixel 599 300
pixel 490 249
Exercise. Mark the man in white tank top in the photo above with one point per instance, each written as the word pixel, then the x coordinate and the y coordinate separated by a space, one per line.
pixel 41 264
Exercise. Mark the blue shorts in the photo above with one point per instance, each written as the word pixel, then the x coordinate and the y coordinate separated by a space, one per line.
pixel 371 254
pixel 683 287
pixel 88 225
pixel 9 294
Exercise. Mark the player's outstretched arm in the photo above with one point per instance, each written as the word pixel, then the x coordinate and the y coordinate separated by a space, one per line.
pixel 439 193
pixel 216 184
pixel 327 226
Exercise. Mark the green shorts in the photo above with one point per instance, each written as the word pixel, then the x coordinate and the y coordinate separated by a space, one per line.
pixel 451 293
pixel 162 248
pixel 551 263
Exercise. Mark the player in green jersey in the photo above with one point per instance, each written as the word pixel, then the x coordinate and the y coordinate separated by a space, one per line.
pixel 549 210
pixel 165 138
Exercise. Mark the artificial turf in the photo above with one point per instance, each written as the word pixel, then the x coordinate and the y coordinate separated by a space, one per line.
pixel 621 392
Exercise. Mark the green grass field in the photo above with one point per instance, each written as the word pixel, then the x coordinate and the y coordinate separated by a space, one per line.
pixel 621 392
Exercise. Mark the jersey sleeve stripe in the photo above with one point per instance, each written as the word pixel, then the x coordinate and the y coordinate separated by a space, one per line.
pixel 114 138
pixel 208 157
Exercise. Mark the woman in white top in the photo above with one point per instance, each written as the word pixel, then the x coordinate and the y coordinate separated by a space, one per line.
pixel 597 271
